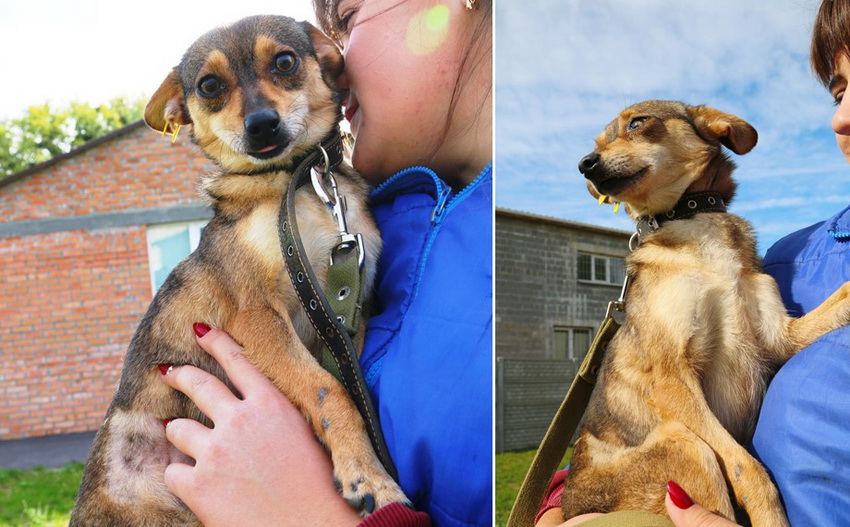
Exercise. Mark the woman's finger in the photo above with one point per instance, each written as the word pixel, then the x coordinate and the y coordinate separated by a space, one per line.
pixel 230 356
pixel 179 478
pixel 204 389
pixel 187 435
pixel 685 513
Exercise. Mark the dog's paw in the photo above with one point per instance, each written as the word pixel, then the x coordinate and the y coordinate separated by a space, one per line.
pixel 367 490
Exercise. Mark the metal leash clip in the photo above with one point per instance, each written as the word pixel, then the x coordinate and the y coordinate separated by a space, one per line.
pixel 348 243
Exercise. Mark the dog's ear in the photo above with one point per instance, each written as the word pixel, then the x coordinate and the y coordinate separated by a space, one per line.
pixel 166 107
pixel 734 133
pixel 330 57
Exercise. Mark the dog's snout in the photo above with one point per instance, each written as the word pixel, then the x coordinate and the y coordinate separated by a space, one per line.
pixel 588 163
pixel 262 127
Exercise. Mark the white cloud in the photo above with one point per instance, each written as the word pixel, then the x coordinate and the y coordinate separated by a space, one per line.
pixel 565 69
pixel 96 50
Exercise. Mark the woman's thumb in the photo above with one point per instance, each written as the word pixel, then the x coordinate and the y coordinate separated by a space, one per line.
pixel 685 513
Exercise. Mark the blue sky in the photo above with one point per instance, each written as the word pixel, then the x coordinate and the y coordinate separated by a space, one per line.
pixel 92 51
pixel 565 68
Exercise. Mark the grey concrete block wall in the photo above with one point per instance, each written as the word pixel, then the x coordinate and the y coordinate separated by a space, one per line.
pixel 537 289
pixel 536 283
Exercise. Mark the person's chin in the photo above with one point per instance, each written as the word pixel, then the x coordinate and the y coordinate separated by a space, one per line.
pixel 370 163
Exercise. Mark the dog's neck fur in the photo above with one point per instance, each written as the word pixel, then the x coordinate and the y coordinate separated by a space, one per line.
pixel 717 177
pixel 235 193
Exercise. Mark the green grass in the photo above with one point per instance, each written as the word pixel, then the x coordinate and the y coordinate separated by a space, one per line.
pixel 40 497
pixel 44 497
pixel 510 471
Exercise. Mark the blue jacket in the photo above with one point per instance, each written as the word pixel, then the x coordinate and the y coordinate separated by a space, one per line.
pixel 803 432
pixel 427 358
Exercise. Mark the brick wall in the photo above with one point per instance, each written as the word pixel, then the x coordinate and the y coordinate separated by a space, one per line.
pixel 70 298
pixel 137 169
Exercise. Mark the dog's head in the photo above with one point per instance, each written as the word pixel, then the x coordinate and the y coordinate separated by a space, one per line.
pixel 655 151
pixel 256 93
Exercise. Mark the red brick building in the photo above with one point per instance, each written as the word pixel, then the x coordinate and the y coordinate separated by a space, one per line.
pixel 84 239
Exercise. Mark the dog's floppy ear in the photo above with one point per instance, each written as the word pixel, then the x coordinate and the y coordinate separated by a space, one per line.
pixel 166 107
pixel 330 57
pixel 734 133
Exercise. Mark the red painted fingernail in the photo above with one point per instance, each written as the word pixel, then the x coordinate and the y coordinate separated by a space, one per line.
pixel 165 423
pixel 680 497
pixel 165 369
pixel 201 329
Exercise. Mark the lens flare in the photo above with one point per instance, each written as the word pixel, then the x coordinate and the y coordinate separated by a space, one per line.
pixel 428 29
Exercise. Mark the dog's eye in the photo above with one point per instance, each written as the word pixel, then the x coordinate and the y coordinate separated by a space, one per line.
pixel 286 63
pixel 210 86
pixel 635 123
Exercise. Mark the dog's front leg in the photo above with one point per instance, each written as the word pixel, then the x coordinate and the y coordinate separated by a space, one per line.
pixel 271 343
pixel 681 399
pixel 833 313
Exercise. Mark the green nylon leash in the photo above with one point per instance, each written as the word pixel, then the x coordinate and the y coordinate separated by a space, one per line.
pixel 335 317
pixel 561 430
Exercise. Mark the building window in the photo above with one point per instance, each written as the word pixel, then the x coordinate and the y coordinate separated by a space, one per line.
pixel 600 269
pixel 572 343
pixel 168 245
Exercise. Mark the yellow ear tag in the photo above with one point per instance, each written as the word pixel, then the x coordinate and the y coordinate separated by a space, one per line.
pixel 174 134
pixel 602 199
pixel 616 207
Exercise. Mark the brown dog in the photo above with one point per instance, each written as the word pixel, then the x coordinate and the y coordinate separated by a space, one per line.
pixel 258 95
pixel 683 379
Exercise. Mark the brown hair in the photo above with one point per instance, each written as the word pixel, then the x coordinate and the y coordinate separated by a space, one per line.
pixel 480 40
pixel 830 35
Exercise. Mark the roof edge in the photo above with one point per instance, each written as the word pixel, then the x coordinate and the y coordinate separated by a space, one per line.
pixel 94 143
pixel 501 211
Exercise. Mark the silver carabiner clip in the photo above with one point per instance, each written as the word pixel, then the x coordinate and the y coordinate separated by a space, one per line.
pixel 337 206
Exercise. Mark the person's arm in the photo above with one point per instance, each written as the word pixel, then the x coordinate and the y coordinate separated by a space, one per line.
pixel 260 464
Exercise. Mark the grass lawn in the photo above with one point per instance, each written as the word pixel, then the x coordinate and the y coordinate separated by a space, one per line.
pixel 44 497
pixel 510 471
pixel 40 497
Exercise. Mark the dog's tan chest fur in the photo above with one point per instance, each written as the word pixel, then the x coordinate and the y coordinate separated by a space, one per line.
pixel 700 293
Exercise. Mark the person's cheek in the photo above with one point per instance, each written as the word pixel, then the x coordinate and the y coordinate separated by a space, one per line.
pixel 843 145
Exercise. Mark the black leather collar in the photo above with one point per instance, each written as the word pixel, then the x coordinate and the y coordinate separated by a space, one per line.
pixel 688 206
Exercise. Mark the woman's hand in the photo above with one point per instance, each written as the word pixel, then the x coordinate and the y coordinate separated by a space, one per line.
pixel 555 518
pixel 260 464
pixel 685 513
pixel 680 507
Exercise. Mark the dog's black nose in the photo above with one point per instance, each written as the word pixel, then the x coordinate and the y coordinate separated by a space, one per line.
pixel 262 128
pixel 588 163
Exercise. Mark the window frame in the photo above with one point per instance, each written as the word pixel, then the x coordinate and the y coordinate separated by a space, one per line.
pixel 571 332
pixel 158 231
pixel 595 259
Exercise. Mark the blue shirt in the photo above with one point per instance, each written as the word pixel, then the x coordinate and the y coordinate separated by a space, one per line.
pixel 427 358
pixel 803 432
